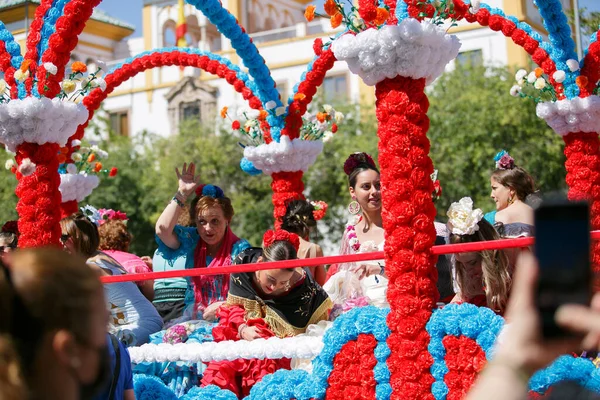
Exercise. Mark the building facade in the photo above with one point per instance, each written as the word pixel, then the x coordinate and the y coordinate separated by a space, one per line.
pixel 158 100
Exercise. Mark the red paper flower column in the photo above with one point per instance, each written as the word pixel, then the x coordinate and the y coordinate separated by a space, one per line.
pixel 286 186
pixel 408 210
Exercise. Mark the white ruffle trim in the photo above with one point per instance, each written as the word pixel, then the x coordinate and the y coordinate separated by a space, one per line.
pixel 77 186
pixel 411 49
pixel 273 348
pixel 40 121
pixel 285 156
pixel 575 115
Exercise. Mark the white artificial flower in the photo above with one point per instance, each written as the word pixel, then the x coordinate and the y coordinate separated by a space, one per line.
pixel 559 76
pixel 71 169
pixel 101 65
pixel 279 111
pixel 102 154
pixel 540 83
pixel 532 77
pixel 27 167
pixel 2 86
pixel 462 218
pixel 573 65
pixel 270 105
pixel 358 22
pixel 95 148
pixel 68 86
pixel 76 157
pixel 327 136
pixel 249 124
pixel 521 82
pixel 520 75
pixel 339 117
pixel 475 6
pixel 21 76
pixel 75 143
pixel 84 149
pixel 328 109
pixel 9 163
pixel 515 90
pixel 50 68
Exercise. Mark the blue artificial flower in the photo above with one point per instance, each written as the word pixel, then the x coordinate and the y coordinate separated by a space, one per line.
pixel 500 154
pixel 213 191
pixel 249 168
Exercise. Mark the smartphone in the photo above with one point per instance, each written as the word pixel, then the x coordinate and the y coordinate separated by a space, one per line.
pixel 562 248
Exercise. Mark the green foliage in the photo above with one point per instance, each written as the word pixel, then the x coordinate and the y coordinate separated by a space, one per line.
pixel 589 21
pixel 472 118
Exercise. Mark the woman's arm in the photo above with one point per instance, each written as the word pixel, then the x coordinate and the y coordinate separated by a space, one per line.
pixel 319 272
pixel 147 289
pixel 165 225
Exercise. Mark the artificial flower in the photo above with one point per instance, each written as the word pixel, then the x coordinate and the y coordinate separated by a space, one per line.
pixel 334 128
pixel 235 125
pixel 582 81
pixel 262 115
pixel 279 111
pixel 330 7
pixel 68 86
pixel 573 65
pixel 2 86
pixel 101 83
pixel 61 158
pixel 76 157
pixel 102 154
pixel 270 105
pixel 475 6
pixel 339 117
pixel 101 66
pixel 328 108
pixel 75 143
pixel 98 167
pixel 515 91
pixel 382 16
pixel 321 117
pixel 50 68
pixel 336 20
pixel 540 83
pixel 113 172
pixel 91 158
pixel 327 136
pixel 78 67
pixel 309 13
pixel 462 218
pixel 71 169
pixel 9 164
pixel 21 76
pixel 25 65
pixel 559 76
pixel 538 72
pixel 358 23
pixel 27 167
pixel 520 75
pixel 531 78
pixel 224 112
pixel 299 96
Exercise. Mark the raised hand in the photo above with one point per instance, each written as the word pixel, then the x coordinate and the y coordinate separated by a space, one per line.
pixel 188 180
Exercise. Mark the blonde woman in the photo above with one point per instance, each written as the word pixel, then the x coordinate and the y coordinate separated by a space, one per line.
pixel 482 278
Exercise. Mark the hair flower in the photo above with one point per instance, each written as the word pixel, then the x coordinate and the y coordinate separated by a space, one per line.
pixel 92 214
pixel 281 235
pixel 210 191
pixel 110 214
pixel 356 160
pixel 319 209
pixel 504 160
pixel 462 218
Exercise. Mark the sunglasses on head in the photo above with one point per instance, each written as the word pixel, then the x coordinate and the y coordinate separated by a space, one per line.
pixel 4 249
pixel 64 237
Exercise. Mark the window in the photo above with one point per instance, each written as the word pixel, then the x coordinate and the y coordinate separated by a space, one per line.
pixel 335 89
pixel 189 111
pixel 119 122
pixel 283 92
pixel 169 36
pixel 473 57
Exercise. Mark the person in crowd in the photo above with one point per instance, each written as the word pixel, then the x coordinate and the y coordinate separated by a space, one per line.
pixel 523 350
pixel 353 284
pixel 120 384
pixel 169 294
pixel 115 240
pixel 482 278
pixel 134 317
pixel 442 237
pixel 211 243
pixel 9 239
pixel 53 327
pixel 262 304
pixel 299 218
pixel 514 192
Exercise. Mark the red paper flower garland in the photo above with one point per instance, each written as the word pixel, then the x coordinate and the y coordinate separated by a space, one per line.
pixel 352 376
pixel 286 186
pixel 8 69
pixel 408 214
pixel 38 196
pixel 591 66
pixel 464 359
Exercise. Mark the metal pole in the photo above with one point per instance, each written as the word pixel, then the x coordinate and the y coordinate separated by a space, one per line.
pixel 577 29
pixel 26 18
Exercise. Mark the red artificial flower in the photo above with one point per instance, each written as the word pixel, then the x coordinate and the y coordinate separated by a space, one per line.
pixel 334 128
pixel 113 172
pixel 318 46
pixel 235 125
pixel 330 7
pixel 336 20
pixel 280 235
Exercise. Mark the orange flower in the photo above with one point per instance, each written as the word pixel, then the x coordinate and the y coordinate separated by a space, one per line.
pixel 309 13
pixel 582 81
pixel 98 167
pixel 382 16
pixel 91 158
pixel 262 115
pixel 299 96
pixel 330 7
pixel 336 20
pixel 321 117
pixel 224 112
pixel 25 65
pixel 62 158
pixel 538 72
pixel 78 66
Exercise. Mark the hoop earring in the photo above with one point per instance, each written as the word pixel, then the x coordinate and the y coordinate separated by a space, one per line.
pixel 353 207
pixel 511 200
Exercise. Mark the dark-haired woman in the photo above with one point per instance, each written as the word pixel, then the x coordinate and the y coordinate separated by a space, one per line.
pixel 9 238
pixel 263 304
pixel 513 191
pixel 210 243
pixel 365 283
pixel 299 219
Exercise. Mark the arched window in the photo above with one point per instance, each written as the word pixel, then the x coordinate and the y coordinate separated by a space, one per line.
pixel 169 36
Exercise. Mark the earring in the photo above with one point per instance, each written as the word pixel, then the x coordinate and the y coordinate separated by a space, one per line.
pixel 353 207
pixel 511 200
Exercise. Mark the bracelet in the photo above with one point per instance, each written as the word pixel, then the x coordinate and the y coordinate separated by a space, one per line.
pixel 240 329
pixel 178 202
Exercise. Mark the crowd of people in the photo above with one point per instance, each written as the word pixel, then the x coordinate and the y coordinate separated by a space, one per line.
pixel 55 311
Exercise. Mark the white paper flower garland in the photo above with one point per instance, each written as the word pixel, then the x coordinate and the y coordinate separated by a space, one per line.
pixel 411 49
pixel 575 115
pixel 77 186
pixel 273 348
pixel 285 156
pixel 39 121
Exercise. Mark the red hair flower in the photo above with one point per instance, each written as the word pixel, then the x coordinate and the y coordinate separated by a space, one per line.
pixel 280 235
pixel 319 209
pixel 355 160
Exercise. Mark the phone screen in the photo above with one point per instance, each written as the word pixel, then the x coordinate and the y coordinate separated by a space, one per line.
pixel 562 247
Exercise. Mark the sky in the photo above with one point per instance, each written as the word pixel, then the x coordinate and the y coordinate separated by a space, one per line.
pixel 131 10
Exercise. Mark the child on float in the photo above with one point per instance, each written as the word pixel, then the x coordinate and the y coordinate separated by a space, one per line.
pixel 482 278
pixel 263 304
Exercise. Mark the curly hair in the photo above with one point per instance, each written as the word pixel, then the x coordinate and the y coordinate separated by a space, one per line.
pixel 114 236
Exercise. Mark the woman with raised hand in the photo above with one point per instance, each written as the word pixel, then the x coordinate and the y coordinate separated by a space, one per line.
pixel 514 193
pixel 300 219
pixel 482 278
pixel 133 317
pixel 211 243
pixel 263 304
